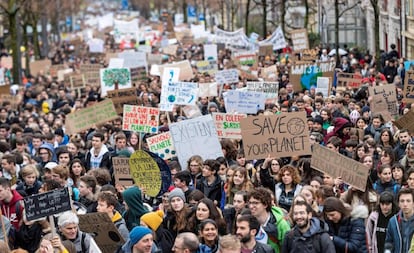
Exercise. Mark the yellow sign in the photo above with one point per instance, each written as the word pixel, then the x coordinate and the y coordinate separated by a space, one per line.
pixel 145 172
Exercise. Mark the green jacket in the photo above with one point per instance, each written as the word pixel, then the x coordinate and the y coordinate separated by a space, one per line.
pixel 278 222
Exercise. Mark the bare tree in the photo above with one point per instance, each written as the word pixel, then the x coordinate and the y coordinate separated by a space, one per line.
pixel 375 6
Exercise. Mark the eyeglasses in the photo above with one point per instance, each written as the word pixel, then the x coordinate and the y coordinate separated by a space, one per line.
pixel 254 203
pixel 194 165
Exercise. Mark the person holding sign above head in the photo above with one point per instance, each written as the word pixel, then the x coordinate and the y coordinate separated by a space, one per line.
pixel 68 229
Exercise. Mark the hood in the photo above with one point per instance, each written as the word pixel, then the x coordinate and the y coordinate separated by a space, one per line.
pixel 316 226
pixel 103 150
pixel 117 216
pixel 360 211
pixel 340 123
pixel 50 148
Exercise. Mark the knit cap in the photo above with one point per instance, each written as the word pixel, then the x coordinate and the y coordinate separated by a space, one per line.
pixel 153 219
pixel 137 233
pixel 177 192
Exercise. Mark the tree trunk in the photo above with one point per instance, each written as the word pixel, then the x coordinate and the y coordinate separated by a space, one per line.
pixel 377 34
pixel 306 14
pixel 16 71
pixel 264 20
pixel 246 18
pixel 337 32
pixel 36 45
pixel 184 6
pixel 26 45
pixel 282 16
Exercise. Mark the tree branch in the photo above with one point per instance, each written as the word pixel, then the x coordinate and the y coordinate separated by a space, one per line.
pixel 349 8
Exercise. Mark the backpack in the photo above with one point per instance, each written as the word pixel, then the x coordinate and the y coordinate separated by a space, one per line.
pixel 316 240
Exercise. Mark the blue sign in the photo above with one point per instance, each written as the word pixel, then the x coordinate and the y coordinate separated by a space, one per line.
pixel 69 21
pixel 201 17
pixel 191 11
pixel 124 4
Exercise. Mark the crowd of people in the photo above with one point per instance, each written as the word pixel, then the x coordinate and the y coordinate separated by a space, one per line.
pixel 228 204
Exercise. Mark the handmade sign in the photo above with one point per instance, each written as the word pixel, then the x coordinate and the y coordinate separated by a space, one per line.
pixel 145 172
pixel 247 64
pixel 236 39
pixel 123 96
pixel 409 86
pixel 53 70
pixel 406 121
pixel 41 65
pixel 228 125
pixel 348 80
pixel 47 203
pixel 162 145
pixel 336 165
pixel 227 76
pixel 5 90
pixel 384 101
pixel 209 67
pixel 104 231
pixel 90 67
pixel 114 78
pixel 323 85
pixel 299 39
pixel 140 119
pixel 138 74
pixel 265 50
pixel 277 39
pixel 207 89
pixel 186 72
pixel 244 101
pixel 77 81
pixel 270 73
pixel 210 52
pixel 121 171
pixel 133 59
pixel 192 111
pixel 304 75
pixel 282 135
pixel 270 89
pixel 181 93
pixel 92 78
pixel 189 135
pixel 169 75
pixel 116 63
pixel 88 117
pixel 166 179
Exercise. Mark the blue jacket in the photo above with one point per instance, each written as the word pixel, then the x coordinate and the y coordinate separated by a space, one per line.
pixel 350 236
pixel 394 237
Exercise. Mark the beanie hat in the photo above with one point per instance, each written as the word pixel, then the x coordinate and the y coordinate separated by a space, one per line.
pixel 153 219
pixel 177 192
pixel 365 109
pixel 137 233
pixel 318 119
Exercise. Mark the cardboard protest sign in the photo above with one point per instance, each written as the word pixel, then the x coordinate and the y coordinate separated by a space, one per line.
pixel 104 231
pixel 309 54
pixel 406 121
pixel 227 76
pixel 228 125
pixel 138 74
pixel 270 89
pixel 282 135
pixel 192 111
pixel 266 50
pixel 299 39
pixel 154 59
pixel 88 117
pixel 244 101
pixel 145 172
pixel 4 89
pixel 170 50
pixel 162 145
pixel 110 78
pixel 384 101
pixel 304 75
pixel 348 80
pixel 323 85
pixel 246 62
pixel 121 171
pixel 182 93
pixel 123 96
pixel 189 135
pixel 140 119
pixel 47 203
pixel 186 72
pixel 40 65
pixel 409 87
pixel 53 70
pixel 270 73
pixel 207 89
pixel 336 165
pixel 209 67
pixel 77 81
pixel 61 74
pixel 210 52
pixel 93 78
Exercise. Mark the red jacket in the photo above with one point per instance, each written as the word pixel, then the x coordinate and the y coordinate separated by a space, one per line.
pixel 13 210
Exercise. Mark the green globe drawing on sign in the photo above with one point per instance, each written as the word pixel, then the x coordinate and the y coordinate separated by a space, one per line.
pixel 121 76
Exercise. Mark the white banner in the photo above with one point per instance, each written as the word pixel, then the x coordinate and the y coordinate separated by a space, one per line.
pixel 250 102
pixel 277 39
pixel 234 39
